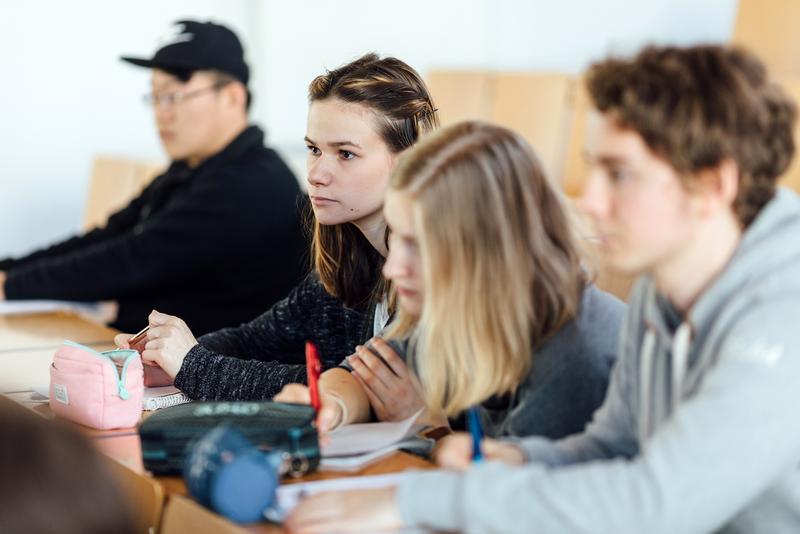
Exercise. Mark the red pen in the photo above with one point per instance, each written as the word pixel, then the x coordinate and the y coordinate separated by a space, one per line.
pixel 313 369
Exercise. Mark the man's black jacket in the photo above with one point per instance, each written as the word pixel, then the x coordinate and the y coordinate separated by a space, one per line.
pixel 215 245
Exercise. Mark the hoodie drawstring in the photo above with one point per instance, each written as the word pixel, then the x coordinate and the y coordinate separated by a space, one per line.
pixel 680 358
pixel 645 382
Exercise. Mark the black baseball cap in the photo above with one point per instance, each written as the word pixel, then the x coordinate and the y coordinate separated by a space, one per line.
pixel 196 45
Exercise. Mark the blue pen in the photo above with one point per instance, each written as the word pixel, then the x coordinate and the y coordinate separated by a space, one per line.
pixel 474 426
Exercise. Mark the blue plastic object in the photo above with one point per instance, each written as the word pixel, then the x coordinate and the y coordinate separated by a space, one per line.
pixel 226 473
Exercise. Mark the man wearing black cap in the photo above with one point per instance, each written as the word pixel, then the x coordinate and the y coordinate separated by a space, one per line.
pixel 217 238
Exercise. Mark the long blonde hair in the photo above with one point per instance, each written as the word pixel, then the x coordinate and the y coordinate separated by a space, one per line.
pixel 500 267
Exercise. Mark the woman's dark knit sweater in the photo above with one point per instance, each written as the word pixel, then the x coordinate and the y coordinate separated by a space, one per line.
pixel 255 360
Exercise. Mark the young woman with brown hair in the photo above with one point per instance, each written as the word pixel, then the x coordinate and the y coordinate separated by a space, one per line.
pixel 361 116
pixel 495 309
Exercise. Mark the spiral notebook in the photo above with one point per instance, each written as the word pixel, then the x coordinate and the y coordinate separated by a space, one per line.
pixel 163 397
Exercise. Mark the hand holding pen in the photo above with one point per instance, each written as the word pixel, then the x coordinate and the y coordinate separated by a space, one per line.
pixel 476 432
pixel 332 413
pixel 124 342
pixel 313 372
pixel 331 409
pixel 457 451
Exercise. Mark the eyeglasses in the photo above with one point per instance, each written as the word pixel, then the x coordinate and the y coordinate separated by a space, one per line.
pixel 173 99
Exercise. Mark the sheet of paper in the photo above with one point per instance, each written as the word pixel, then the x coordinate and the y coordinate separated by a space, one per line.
pixel 290 494
pixel 25 307
pixel 367 437
pixel 163 391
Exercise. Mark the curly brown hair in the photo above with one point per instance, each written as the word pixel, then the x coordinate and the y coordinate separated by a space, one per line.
pixel 700 105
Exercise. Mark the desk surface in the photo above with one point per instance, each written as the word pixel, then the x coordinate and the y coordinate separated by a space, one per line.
pixel 27 344
pixel 124 446
pixel 26 350
pixel 48 330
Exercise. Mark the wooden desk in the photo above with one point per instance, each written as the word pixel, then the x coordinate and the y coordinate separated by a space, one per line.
pixel 23 370
pixel 185 515
pixel 48 330
pixel 26 350
pixel 180 513
pixel 27 344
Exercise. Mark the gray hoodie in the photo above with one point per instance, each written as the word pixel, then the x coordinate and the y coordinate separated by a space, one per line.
pixel 699 431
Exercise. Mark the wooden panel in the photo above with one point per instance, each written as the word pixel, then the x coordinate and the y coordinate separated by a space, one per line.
pixel 114 182
pixel 576 168
pixel 537 105
pixel 791 178
pixel 460 95
pixel 769 28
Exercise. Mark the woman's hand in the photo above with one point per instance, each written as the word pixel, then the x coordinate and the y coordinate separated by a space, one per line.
pixel 393 391
pixel 331 413
pixel 166 345
pixel 154 375
pixel 122 341
pixel 346 511
pixel 455 451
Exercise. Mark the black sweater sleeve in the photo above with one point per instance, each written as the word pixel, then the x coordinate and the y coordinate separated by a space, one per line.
pixel 155 251
pixel 121 221
pixel 255 360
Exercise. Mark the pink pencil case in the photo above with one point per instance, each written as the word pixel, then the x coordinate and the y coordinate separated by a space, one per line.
pixel 98 389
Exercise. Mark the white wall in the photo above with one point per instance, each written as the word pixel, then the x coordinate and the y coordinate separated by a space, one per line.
pixel 66 97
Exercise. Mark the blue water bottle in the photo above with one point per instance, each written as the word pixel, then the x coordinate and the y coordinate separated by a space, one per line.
pixel 226 473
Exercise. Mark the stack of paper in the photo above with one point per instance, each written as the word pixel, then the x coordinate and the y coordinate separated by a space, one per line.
pixel 353 447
